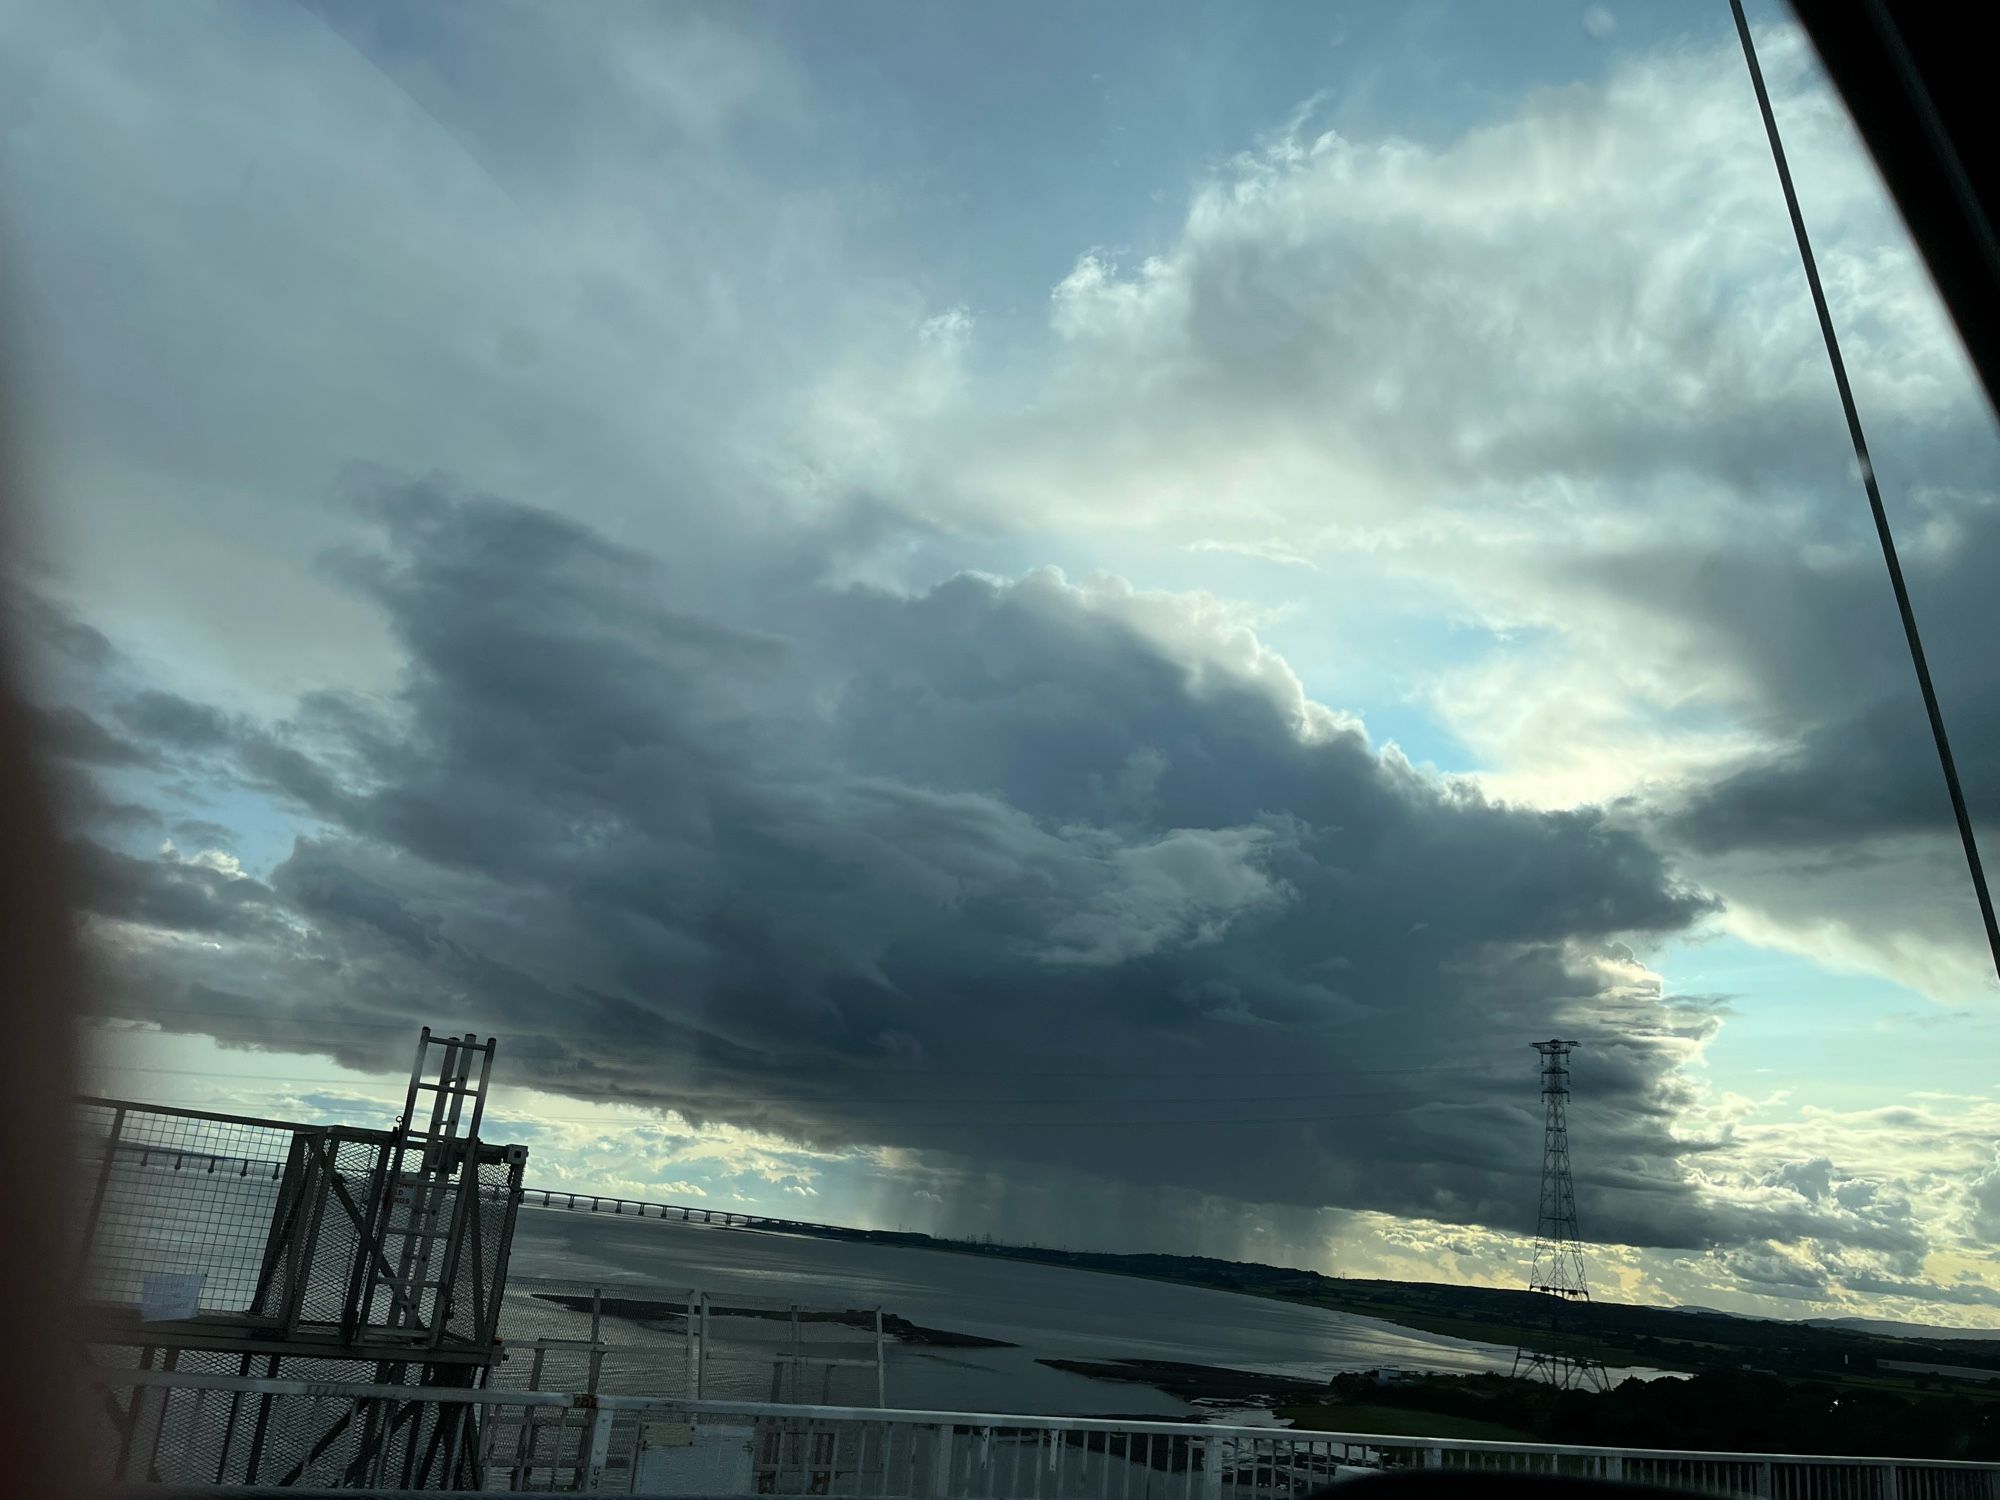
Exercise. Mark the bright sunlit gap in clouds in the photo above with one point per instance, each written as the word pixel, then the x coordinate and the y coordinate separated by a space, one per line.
pixel 1093 678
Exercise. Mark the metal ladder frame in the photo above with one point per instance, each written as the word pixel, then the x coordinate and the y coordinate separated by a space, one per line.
pixel 442 1154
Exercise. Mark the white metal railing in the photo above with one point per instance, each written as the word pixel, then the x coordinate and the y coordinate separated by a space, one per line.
pixel 168 1427
pixel 729 1348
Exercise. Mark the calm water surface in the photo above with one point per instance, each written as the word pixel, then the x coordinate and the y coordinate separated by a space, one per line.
pixel 1048 1311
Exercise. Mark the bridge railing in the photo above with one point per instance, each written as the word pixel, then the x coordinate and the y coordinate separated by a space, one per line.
pixel 263 1432
pixel 693 1346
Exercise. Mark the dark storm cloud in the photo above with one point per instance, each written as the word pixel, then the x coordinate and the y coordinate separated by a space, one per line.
pixel 73 745
pixel 326 891
pixel 86 805
pixel 168 894
pixel 1838 827
pixel 68 733
pixel 58 631
pixel 1852 756
pixel 1775 1274
pixel 174 721
pixel 249 754
pixel 1059 884
pixel 1872 775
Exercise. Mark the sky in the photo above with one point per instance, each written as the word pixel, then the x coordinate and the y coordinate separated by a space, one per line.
pixel 1073 623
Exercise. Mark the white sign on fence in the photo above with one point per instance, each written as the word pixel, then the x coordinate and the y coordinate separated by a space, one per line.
pixel 168 1296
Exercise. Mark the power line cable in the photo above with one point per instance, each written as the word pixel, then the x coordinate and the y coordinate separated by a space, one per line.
pixel 1875 506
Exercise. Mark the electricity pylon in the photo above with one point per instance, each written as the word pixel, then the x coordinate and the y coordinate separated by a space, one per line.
pixel 1555 1280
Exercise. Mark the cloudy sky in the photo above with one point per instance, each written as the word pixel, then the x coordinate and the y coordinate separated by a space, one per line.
pixel 1073 622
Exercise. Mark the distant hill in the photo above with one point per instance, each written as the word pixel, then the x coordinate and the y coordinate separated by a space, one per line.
pixel 1888 1328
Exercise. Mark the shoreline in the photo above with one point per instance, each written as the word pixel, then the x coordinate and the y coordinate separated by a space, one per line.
pixel 1630 1340
pixel 1197 1384
pixel 894 1325
pixel 1634 1338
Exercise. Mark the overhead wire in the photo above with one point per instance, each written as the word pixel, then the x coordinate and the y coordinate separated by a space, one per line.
pixel 1883 534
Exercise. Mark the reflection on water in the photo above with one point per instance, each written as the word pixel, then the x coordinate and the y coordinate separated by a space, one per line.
pixel 1048 1311
pixel 759 1354
pixel 215 1221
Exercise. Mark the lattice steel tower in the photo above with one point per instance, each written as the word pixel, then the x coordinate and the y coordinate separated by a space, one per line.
pixel 1561 1296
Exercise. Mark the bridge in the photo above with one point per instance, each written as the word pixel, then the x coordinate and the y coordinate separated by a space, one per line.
pixel 167 1158
pixel 581 1201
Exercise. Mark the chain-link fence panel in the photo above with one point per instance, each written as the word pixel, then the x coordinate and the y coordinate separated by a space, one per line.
pixel 182 1435
pixel 293 1227
pixel 201 1230
pixel 179 1205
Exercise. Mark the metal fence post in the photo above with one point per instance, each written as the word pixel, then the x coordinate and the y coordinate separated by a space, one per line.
pixel 701 1354
pixel 596 1337
pixel 940 1465
pixel 598 1446
pixel 1211 1468
pixel 881 1372
pixel 796 1361
pixel 103 1182
pixel 693 1367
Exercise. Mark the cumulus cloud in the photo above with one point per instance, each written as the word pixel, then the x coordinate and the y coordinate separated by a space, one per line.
pixel 1863 1209
pixel 730 791
pixel 1549 325
pixel 1983 1203
pixel 1557 377
pixel 1834 835
pixel 1064 894
pixel 1006 871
